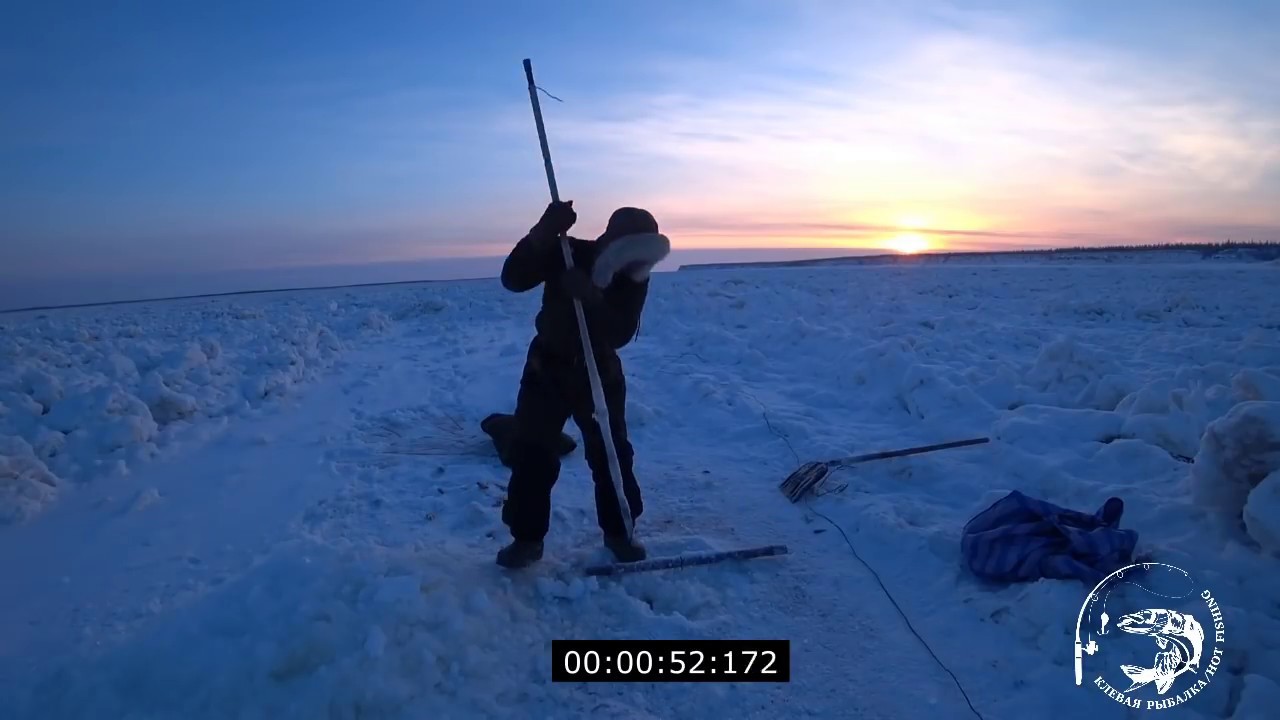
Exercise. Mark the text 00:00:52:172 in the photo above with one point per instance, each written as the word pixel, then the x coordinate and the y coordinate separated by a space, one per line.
pixel 671 661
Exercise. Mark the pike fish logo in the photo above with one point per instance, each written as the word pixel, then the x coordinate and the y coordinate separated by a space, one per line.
pixel 1180 640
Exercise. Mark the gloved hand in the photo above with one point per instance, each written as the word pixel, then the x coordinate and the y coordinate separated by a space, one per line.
pixel 557 218
pixel 579 285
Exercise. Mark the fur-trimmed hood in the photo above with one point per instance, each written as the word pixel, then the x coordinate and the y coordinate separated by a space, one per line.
pixel 636 253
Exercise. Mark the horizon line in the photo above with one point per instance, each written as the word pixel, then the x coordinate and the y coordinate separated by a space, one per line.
pixel 703 266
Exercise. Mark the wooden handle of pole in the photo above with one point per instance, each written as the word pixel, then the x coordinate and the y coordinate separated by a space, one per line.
pixel 601 409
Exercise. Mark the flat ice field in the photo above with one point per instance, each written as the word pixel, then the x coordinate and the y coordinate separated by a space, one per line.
pixel 281 505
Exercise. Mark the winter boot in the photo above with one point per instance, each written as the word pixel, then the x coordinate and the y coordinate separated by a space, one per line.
pixel 520 553
pixel 624 549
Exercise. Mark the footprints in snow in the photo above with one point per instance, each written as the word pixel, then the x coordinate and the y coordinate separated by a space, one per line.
pixel 424 503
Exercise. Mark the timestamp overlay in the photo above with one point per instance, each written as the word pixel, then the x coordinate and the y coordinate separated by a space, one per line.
pixel 671 661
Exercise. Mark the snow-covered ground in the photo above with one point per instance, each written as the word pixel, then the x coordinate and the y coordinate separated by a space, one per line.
pixel 281 505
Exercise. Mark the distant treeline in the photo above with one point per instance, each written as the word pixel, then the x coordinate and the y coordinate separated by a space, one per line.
pixel 1260 251
pixel 1268 249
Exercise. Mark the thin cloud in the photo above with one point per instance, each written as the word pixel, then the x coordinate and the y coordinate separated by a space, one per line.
pixel 712 229
pixel 1013 135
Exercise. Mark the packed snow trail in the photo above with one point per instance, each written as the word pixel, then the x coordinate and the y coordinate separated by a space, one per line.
pixel 332 554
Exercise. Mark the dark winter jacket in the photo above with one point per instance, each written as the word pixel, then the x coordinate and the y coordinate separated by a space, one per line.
pixel 612 323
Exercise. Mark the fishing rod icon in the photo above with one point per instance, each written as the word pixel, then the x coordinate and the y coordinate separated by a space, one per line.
pixel 1098 598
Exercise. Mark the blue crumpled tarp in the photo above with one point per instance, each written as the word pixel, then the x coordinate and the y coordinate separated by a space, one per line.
pixel 1022 538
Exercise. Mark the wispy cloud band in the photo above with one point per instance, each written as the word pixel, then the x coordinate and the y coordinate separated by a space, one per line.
pixel 980 133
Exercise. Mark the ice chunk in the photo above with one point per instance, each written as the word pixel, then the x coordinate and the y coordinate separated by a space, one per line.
pixel 26 485
pixel 1262 513
pixel 1236 452
pixel 167 405
pixel 42 387
pixel 1250 384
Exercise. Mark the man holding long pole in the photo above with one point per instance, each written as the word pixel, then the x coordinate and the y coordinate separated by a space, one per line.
pixel 573 369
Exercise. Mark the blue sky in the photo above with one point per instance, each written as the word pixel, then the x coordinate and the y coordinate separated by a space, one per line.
pixel 170 137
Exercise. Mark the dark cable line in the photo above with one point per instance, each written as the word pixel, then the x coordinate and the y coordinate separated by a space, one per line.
pixel 765 415
pixel 905 619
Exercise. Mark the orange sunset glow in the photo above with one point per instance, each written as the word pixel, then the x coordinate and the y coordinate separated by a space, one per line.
pixel 909 243
pixel 792 129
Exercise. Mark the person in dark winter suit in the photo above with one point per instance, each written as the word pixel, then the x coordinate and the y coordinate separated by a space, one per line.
pixel 611 278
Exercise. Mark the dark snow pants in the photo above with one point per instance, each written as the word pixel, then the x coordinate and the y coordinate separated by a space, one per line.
pixel 553 389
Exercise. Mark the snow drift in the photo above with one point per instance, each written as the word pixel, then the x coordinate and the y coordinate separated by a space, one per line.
pixel 302 566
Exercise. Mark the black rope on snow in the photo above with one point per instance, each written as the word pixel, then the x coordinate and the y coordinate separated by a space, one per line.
pixel 905 619
pixel 764 414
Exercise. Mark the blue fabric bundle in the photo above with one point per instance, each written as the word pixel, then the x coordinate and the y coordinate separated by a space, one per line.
pixel 1021 538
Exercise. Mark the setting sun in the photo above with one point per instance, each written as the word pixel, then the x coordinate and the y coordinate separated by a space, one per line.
pixel 909 243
